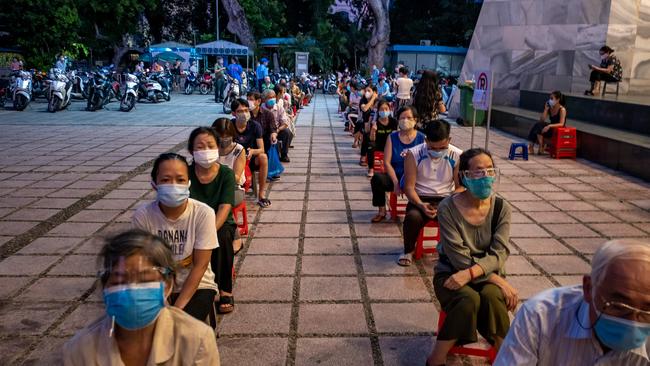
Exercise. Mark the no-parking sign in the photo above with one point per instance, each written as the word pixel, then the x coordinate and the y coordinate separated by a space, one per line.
pixel 481 98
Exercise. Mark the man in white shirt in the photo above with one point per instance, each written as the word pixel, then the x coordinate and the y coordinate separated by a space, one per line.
pixel 606 321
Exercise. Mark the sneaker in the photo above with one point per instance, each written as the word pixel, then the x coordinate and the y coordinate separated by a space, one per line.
pixel 275 179
pixel 285 159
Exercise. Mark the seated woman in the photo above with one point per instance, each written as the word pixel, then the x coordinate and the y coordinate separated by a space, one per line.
pixel 353 112
pixel 383 89
pixel 379 132
pixel 368 109
pixel 553 109
pixel 140 327
pixel 189 227
pixel 342 91
pixel 394 152
pixel 214 185
pixel 469 275
pixel 430 175
pixel 610 70
pixel 270 103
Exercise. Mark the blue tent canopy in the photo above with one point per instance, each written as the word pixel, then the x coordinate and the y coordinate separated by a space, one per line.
pixel 223 48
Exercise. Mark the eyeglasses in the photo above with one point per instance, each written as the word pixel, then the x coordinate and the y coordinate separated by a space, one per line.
pixel 480 173
pixel 143 275
pixel 625 311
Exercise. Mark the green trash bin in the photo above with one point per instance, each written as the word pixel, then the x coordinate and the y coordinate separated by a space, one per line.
pixel 467 108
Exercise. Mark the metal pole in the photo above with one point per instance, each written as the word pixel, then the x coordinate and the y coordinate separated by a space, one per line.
pixel 487 129
pixel 471 144
pixel 216 3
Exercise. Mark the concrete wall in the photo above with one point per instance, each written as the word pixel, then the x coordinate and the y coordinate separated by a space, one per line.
pixel 547 45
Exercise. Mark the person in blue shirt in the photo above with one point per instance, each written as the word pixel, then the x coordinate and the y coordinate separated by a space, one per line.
pixel 235 70
pixel 262 72
pixel 383 89
pixel 375 75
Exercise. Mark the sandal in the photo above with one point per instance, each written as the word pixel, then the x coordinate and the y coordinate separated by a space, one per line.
pixel 405 260
pixel 264 202
pixel 378 218
pixel 226 304
pixel 363 162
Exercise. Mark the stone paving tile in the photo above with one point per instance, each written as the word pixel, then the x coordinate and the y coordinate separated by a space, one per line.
pixel 327 217
pixel 593 216
pixel 277 230
pixel 633 215
pixel 527 231
pixel 28 318
pixel 397 288
pixel 321 205
pixel 31 214
pixel 80 317
pixel 268 265
pixel 252 351
pixel 377 230
pixel 57 289
pixel 328 265
pixel 333 351
pixel 540 246
pixel 422 317
pixel 569 280
pixel 573 205
pixel 585 245
pixel 27 265
pixel 12 284
pixel 553 217
pixel 83 265
pixel 9 347
pixel 257 319
pixel 385 264
pixel 78 229
pixel 529 286
pixel 102 216
pixel 329 289
pixel 517 265
pixel 53 203
pixel 405 351
pixel 562 264
pixel 327 230
pixel 264 289
pixel 273 246
pixel 276 216
pixel 571 230
pixel 331 319
pixel 327 246
pixel 618 230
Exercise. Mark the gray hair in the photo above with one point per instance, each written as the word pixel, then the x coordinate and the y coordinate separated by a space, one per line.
pixel 268 93
pixel 613 250
pixel 137 241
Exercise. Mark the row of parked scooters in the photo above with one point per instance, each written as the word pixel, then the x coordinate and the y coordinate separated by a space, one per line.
pixel 98 88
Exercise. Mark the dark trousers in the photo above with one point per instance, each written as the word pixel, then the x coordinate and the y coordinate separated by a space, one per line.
pixel 200 304
pixel 223 257
pixel 473 307
pixel 380 185
pixel 219 87
pixel 286 137
pixel 259 84
pixel 601 76
pixel 414 221
pixel 365 145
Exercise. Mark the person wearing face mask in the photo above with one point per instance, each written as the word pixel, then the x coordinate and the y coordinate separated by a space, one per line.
pixel 383 90
pixel 404 84
pixel 430 175
pixel 374 75
pixel 604 321
pixel 140 327
pixel 188 226
pixel 250 135
pixel 610 70
pixel 275 106
pixel 394 152
pixel 214 185
pixel 354 111
pixel 368 108
pixel 555 111
pixel 381 128
pixel 469 279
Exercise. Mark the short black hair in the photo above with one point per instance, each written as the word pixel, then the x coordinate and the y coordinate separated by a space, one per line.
pixel 468 155
pixel 606 49
pixel 405 108
pixel 238 102
pixel 199 131
pixel 223 127
pixel 403 70
pixel 165 157
pixel 254 94
pixel 436 130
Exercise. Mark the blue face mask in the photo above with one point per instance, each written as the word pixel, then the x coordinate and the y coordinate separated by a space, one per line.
pixel 434 154
pixel 173 195
pixel 621 334
pixel 480 188
pixel 134 306
pixel 270 103
pixel 384 114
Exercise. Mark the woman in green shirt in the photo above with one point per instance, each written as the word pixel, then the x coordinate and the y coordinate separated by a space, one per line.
pixel 469 278
pixel 214 184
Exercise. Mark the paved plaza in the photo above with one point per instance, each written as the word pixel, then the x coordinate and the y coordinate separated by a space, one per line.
pixel 316 282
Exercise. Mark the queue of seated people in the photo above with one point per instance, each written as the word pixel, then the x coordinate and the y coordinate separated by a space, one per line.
pixel 160 280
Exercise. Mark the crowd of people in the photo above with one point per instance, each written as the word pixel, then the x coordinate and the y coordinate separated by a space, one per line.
pixel 161 279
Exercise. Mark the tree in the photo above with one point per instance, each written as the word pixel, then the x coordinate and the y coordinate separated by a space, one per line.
pixel 380 32
pixel 303 43
pixel 266 18
pixel 237 23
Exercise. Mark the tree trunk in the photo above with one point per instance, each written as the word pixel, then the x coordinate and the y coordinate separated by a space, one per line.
pixel 380 32
pixel 237 23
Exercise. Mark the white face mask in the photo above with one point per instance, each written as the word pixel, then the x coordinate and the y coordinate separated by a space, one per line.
pixel 206 158
pixel 406 124
pixel 551 102
pixel 368 95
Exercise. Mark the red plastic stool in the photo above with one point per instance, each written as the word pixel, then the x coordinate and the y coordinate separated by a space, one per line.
pixel 396 208
pixel 490 353
pixel 378 167
pixel 241 210
pixel 564 143
pixel 419 246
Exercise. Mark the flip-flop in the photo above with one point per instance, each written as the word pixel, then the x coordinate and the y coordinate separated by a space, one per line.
pixel 226 300
pixel 263 202
pixel 378 218
pixel 405 260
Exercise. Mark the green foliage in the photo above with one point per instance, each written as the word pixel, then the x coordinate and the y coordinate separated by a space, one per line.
pixel 207 37
pixel 303 43
pixel 266 18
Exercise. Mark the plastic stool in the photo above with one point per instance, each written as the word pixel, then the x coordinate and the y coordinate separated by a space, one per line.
pixel 564 143
pixel 378 166
pixel 513 151
pixel 241 210
pixel 490 353
pixel 419 244
pixel 396 209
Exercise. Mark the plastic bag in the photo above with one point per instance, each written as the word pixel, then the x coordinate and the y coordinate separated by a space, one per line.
pixel 275 166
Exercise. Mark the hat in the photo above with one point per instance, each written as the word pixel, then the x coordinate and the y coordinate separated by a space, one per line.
pixel 264 59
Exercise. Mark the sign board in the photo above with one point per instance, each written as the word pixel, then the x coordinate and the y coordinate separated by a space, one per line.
pixel 302 63
pixel 482 88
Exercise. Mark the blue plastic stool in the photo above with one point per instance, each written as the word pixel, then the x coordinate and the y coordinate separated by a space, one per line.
pixel 513 151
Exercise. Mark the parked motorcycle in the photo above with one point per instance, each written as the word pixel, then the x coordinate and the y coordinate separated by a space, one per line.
pixel 40 84
pixel 330 85
pixel 161 86
pixel 231 93
pixel 80 85
pixel 4 86
pixel 99 92
pixel 21 90
pixel 130 94
pixel 191 83
pixel 60 91
pixel 206 84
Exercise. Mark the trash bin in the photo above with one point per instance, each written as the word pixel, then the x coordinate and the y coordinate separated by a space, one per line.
pixel 467 109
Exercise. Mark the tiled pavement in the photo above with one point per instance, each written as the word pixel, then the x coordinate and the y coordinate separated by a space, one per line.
pixel 316 283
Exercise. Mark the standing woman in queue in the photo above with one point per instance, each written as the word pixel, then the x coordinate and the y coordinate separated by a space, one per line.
pixel 189 227
pixel 140 326
pixel 469 278
pixel 394 152
pixel 554 109
pixel 427 98
pixel 214 185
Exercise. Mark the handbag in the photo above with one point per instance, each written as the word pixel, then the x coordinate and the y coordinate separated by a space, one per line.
pixel 275 166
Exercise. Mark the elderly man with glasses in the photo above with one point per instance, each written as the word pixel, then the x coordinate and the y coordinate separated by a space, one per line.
pixel 606 321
